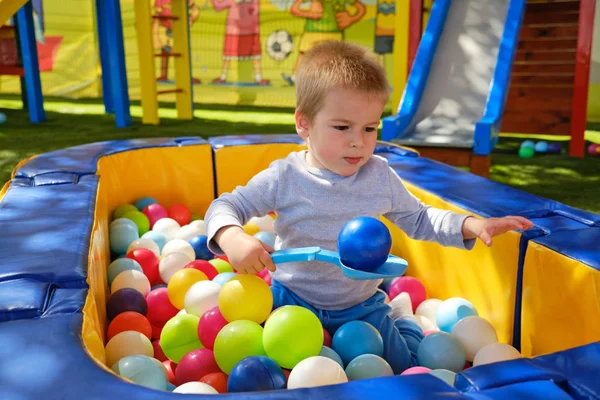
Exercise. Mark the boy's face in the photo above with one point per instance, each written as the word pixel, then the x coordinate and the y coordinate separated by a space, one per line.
pixel 343 134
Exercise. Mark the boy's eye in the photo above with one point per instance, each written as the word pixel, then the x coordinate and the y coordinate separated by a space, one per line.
pixel 369 129
pixel 341 127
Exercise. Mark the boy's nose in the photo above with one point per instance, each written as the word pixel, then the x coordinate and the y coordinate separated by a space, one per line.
pixel 357 140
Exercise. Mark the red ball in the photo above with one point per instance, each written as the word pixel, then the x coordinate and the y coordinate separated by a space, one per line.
pixel 156 331
pixel 286 373
pixel 158 352
pixel 326 338
pixel 412 286
pixel 217 380
pixel 195 365
pixel 222 257
pixel 148 261
pixel 160 309
pixel 129 321
pixel 202 265
pixel 180 213
pixel 154 212
pixel 211 323
pixel 171 368
pixel 426 333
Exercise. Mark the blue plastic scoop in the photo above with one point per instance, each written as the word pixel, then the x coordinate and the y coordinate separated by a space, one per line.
pixel 393 267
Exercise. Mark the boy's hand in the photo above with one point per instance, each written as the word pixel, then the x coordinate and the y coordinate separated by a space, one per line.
pixel 247 254
pixel 486 229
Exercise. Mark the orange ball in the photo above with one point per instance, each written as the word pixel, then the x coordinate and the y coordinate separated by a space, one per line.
pixel 180 213
pixel 217 380
pixel 129 321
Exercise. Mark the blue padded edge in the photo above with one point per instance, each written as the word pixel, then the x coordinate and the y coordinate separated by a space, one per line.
pixel 383 147
pixel 394 126
pixel 65 301
pixel 240 140
pixel 23 298
pixel 582 245
pixel 55 178
pixel 83 160
pixel 487 130
pixel 538 390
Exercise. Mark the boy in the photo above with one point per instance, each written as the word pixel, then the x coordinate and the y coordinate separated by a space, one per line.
pixel 341 93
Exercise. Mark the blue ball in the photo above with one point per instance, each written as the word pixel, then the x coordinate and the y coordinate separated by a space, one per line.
pixel 541 147
pixel 121 236
pixel 368 366
pixel 122 221
pixel 364 243
pixel 120 265
pixel 142 370
pixel 157 237
pixel 330 353
pixel 200 246
pixel 440 350
pixel 451 311
pixel 528 143
pixel 223 277
pixel 267 238
pixel 355 338
pixel 2 118
pixel 256 373
pixel 142 203
pixel 170 387
pixel 445 375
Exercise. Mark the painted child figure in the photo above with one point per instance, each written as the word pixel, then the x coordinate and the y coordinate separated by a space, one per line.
pixel 341 93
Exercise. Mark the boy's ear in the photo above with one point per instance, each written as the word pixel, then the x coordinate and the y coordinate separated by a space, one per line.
pixel 302 125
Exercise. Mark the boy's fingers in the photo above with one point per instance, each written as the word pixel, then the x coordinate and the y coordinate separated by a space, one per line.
pixel 268 262
pixel 486 238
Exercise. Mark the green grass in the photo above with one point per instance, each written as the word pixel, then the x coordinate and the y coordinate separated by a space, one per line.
pixel 572 181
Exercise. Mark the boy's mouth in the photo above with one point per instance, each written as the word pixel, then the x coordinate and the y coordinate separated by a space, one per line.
pixel 352 160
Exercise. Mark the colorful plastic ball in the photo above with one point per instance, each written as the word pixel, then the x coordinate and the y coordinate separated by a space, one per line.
pixel 131 279
pixel 143 202
pixel 154 213
pixel 217 380
pixel 122 210
pixel 316 371
pixel 148 261
pixel 495 352
pixel 179 246
pixel 528 143
pixel 187 232
pixel 526 152
pixel 195 388
pixel 144 243
pixel 541 147
pixel 122 221
pixel 141 370
pixel 326 338
pixel 292 333
pixel 594 149
pixel 368 366
pixel 167 227
pixel 224 277
pixel 180 336
pixel 255 374
pixel 428 309
pixel 200 225
pixel 180 282
pixel 265 224
pixel 125 300
pixel 267 238
pixel 412 286
pixel 364 243
pixel 180 213
pixel 120 236
pixel 163 368
pixel 194 365
pixel 451 311
pixel 445 375
pixel 211 323
pixel 330 353
pixel 416 370
pixel 246 297
pixel 204 266
pixel 159 238
pixel 221 265
pixel 425 323
pixel 554 147
pixel 160 308
pixel 172 263
pixel 126 344
pixel 170 367
pixel 158 352
pixel 156 331
pixel 129 321
pixel 200 245
pixel 251 228
pixel 474 333
pixel 355 338
pixel 440 350
pixel 236 341
pixel 140 220
pixel 201 297
pixel 120 265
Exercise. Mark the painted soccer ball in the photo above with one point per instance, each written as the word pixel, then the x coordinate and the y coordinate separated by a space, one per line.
pixel 279 45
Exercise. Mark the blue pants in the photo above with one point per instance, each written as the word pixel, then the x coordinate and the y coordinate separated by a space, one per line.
pixel 400 338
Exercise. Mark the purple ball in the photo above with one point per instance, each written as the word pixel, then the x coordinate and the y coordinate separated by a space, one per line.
pixel 593 149
pixel 126 299
pixel 554 147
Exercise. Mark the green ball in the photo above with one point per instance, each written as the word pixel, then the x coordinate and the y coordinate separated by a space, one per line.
pixel 140 219
pixel 180 336
pixel 526 152
pixel 236 341
pixel 142 370
pixel 196 217
pixel 221 265
pixel 292 334
pixel 122 210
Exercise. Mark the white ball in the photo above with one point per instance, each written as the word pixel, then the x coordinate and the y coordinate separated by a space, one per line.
pixel 474 333
pixel 425 323
pixel 172 263
pixel 495 352
pixel 428 309
pixel 200 225
pixel 265 223
pixel 144 243
pixel 133 279
pixel 316 371
pixel 195 388
pixel 182 312
pixel 188 231
pixel 201 297
pixel 179 246
pixel 166 226
pixel 127 343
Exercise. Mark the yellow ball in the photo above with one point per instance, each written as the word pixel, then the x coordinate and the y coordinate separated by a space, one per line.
pixel 125 344
pixel 246 297
pixel 251 228
pixel 180 282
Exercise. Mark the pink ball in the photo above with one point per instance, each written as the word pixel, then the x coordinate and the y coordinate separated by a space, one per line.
pixel 416 370
pixel 210 325
pixel 204 266
pixel 171 368
pixel 326 338
pixel 412 286
pixel 426 333
pixel 195 365
pixel 594 149
pixel 158 352
pixel 154 212
pixel 160 309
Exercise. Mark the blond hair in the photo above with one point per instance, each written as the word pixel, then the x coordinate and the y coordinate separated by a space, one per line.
pixel 335 65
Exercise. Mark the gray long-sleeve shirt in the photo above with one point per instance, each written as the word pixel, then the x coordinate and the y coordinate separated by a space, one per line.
pixel 313 205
